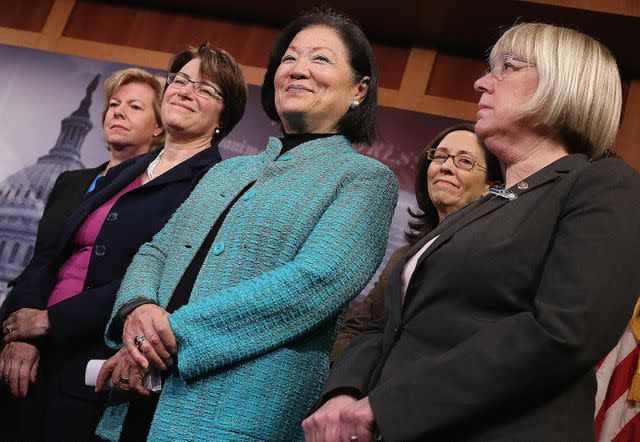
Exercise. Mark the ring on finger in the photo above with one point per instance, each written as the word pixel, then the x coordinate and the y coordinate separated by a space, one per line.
pixel 124 380
pixel 8 329
pixel 138 340
pixel 353 438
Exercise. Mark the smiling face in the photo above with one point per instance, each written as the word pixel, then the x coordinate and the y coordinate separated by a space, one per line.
pixel 314 84
pixel 510 84
pixel 451 188
pixel 186 115
pixel 130 122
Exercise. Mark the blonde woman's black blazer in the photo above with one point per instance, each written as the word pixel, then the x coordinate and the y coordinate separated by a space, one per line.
pixel 507 313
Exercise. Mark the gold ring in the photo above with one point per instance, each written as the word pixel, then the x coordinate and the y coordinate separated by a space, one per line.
pixel 124 380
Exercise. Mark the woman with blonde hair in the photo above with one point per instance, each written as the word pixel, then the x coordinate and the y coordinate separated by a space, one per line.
pixel 495 320
pixel 61 304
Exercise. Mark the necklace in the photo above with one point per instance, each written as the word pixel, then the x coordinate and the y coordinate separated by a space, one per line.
pixel 152 166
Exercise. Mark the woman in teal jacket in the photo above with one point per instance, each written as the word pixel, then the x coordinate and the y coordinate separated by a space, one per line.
pixel 239 296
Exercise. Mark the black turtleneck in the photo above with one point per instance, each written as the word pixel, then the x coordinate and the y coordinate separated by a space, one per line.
pixel 289 141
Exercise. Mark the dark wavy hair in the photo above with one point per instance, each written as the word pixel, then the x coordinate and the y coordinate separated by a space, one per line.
pixel 359 124
pixel 426 218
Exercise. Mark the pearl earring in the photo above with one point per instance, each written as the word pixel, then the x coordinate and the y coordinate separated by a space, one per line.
pixel 354 104
pixel 217 131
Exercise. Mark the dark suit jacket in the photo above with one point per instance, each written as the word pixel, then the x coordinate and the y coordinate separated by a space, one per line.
pixel 68 192
pixel 507 313
pixel 77 323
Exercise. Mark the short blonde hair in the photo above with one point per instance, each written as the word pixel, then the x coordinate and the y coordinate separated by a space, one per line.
pixel 579 93
pixel 135 75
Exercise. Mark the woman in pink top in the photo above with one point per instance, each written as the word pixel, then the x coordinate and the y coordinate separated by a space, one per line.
pixel 62 302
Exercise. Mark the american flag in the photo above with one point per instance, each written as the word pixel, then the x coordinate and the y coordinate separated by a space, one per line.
pixel 617 417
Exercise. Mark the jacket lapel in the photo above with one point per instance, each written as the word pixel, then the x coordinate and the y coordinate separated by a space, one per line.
pixel 191 169
pixel 487 204
pixel 115 179
pixel 393 290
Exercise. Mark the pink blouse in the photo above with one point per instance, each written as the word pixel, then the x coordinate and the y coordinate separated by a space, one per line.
pixel 73 271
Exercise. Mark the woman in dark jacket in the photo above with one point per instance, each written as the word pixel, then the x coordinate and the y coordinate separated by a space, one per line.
pixel 62 302
pixel 495 320
pixel 441 189
pixel 132 126
pixel 132 100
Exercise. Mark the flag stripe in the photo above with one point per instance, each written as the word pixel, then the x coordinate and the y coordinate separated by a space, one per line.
pixel 630 432
pixel 620 414
pixel 621 378
pixel 616 418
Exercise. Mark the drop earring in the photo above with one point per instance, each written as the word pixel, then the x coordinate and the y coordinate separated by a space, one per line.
pixel 354 104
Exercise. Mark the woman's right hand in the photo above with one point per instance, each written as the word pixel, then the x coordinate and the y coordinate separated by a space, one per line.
pixel 125 374
pixel 159 343
pixel 19 365
pixel 342 417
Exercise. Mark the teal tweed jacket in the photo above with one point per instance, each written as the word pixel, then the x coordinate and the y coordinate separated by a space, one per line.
pixel 255 337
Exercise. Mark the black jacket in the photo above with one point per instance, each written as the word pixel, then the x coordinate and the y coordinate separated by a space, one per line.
pixel 68 192
pixel 507 313
pixel 77 323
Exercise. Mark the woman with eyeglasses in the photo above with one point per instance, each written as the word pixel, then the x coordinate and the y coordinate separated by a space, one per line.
pixel 454 170
pixel 72 285
pixel 495 320
pixel 243 290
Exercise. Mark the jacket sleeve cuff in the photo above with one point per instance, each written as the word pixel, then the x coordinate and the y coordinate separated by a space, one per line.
pixel 117 325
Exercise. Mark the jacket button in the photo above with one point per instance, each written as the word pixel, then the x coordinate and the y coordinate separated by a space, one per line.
pixel 100 250
pixel 112 216
pixel 218 248
pixel 248 194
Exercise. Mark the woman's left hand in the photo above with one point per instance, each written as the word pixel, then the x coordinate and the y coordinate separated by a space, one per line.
pixel 341 418
pixel 26 323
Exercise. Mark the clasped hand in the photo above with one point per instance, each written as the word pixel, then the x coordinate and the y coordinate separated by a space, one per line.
pixel 158 345
pixel 129 366
pixel 340 418
pixel 19 365
pixel 125 374
pixel 19 360
pixel 26 323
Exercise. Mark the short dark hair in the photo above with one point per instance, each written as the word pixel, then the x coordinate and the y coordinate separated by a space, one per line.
pixel 219 66
pixel 426 218
pixel 359 124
